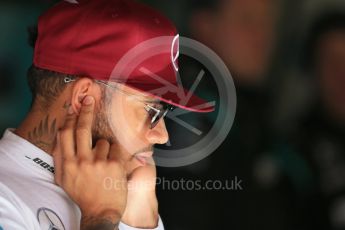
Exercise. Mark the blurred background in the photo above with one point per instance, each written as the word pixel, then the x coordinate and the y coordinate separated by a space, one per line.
pixel 287 144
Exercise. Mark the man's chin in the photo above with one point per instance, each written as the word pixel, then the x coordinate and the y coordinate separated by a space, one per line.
pixel 132 166
pixel 137 162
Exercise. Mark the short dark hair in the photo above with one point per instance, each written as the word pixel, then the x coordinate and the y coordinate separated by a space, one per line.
pixel 45 85
pixel 329 21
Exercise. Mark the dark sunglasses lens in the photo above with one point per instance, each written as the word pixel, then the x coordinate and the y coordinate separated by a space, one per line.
pixel 162 113
pixel 157 119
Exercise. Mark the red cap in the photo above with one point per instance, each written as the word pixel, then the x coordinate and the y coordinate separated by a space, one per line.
pixel 91 37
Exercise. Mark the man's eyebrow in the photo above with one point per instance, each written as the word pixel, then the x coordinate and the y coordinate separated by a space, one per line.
pixel 152 101
pixel 146 99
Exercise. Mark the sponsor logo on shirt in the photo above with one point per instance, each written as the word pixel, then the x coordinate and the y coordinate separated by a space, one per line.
pixel 49 220
pixel 42 164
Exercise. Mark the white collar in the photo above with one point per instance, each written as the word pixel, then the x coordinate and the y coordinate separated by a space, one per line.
pixel 27 155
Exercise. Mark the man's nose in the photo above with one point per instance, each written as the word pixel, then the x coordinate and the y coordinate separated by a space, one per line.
pixel 159 134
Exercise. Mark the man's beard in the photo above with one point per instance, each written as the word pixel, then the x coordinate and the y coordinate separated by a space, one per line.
pixel 101 128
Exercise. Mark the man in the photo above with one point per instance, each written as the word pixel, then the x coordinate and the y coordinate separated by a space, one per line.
pixel 319 137
pixel 78 157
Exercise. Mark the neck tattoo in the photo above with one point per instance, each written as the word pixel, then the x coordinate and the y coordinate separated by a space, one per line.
pixel 43 135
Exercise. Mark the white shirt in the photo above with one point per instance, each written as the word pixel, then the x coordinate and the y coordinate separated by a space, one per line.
pixel 29 198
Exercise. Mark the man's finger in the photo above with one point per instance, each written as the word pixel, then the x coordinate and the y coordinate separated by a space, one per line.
pixel 84 127
pixel 66 143
pixel 101 150
pixel 57 161
pixel 118 154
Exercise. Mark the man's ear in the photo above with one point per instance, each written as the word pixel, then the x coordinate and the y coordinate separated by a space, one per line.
pixel 81 88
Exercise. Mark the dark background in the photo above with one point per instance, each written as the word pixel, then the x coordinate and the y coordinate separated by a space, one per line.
pixel 287 141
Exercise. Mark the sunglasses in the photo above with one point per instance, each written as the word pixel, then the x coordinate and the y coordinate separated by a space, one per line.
pixel 155 114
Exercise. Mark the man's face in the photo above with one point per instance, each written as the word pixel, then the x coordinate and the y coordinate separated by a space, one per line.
pixel 122 119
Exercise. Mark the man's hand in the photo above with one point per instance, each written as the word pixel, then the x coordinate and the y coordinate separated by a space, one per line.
pixel 142 206
pixel 81 171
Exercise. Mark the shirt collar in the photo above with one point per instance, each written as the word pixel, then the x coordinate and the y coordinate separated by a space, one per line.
pixel 27 155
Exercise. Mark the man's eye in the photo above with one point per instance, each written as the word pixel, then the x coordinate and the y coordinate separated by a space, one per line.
pixel 157 106
pixel 152 113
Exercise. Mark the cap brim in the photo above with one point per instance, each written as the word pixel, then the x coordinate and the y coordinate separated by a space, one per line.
pixel 181 98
